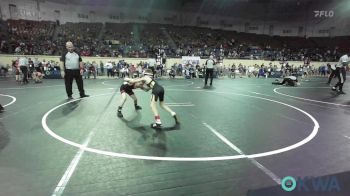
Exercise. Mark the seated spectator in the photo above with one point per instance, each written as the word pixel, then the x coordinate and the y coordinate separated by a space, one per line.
pixel 4 70
pixel 172 73
pixel 92 71
pixel 37 77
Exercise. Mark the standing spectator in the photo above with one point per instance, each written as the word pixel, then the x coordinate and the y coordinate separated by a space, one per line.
pixel 209 70
pixel 233 71
pixel 109 68
pixel 72 68
pixel 102 68
pixel 31 67
pixel 139 70
pixel 341 73
pixel 44 65
pixel 23 65
pixel 179 70
pixel 151 65
pixel 15 68
pixel 36 63
pixel 85 72
pixel 172 72
pixel 115 70
pixel 123 71
pixel 92 70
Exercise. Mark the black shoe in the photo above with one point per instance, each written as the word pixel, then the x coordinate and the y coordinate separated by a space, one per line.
pixel 176 119
pixel 156 126
pixel 119 114
pixel 1 109
pixel 82 96
pixel 341 93
pixel 138 107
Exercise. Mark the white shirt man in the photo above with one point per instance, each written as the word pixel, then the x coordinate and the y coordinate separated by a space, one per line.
pixel 340 72
pixel 72 68
pixel 109 65
pixel 23 61
pixel 23 65
pixel 209 71
pixel 151 63
pixel 343 61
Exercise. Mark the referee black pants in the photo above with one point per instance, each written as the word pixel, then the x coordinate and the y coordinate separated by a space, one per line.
pixel 331 76
pixel 340 72
pixel 209 71
pixel 24 70
pixel 69 75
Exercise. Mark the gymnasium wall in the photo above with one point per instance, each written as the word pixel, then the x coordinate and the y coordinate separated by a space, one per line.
pixel 249 22
pixel 7 59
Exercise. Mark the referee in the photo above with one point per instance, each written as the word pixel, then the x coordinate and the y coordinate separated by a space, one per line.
pixel 340 72
pixel 72 68
pixel 209 70
pixel 23 65
pixel 332 69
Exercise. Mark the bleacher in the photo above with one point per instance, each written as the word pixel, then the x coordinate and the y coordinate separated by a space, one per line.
pixel 143 40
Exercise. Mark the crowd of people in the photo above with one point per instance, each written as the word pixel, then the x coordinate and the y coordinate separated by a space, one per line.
pixel 145 40
pixel 29 37
pixel 142 40
pixel 24 68
pixel 37 69
pixel 142 75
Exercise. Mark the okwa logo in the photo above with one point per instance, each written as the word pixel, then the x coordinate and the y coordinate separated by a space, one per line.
pixel 309 184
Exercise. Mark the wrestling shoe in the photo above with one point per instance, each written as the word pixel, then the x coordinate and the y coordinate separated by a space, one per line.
pixel 156 126
pixel 119 114
pixel 176 119
pixel 83 96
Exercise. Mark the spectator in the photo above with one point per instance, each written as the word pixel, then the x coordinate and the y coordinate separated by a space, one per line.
pixel 101 68
pixel 109 68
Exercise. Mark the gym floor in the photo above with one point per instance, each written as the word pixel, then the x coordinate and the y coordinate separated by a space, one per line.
pixel 239 137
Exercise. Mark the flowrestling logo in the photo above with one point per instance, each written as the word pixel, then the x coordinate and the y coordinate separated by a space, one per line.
pixel 311 184
pixel 324 13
